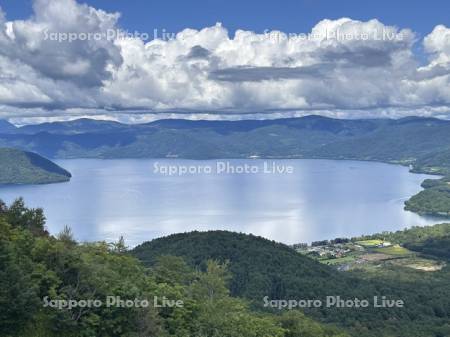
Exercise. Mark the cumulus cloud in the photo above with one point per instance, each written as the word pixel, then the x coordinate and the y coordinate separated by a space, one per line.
pixel 342 67
pixel 82 62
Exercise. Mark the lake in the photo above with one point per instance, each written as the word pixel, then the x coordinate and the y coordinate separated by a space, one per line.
pixel 285 200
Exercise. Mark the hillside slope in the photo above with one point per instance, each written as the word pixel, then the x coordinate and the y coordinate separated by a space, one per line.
pixel 260 267
pixel 20 167
pixel 263 268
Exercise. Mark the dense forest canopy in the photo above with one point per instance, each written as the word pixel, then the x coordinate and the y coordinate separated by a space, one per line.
pixel 265 268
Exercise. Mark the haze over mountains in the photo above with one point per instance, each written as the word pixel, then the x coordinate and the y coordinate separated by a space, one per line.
pixel 6 127
pixel 422 142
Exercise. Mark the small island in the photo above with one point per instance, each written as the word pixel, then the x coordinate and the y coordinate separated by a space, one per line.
pixel 21 167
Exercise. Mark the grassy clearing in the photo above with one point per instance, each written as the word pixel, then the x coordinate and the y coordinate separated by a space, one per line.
pixel 339 260
pixel 395 250
pixel 369 243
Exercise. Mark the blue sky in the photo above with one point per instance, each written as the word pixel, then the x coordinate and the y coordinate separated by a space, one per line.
pixel 211 72
pixel 286 15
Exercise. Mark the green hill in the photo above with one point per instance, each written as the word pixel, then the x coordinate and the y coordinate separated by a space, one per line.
pixel 263 268
pixel 260 267
pixel 20 167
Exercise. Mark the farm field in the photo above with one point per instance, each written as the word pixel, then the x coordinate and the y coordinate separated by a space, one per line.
pixel 370 255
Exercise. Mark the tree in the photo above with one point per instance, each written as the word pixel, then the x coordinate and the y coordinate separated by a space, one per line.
pixel 28 218
pixel 18 292
pixel 120 246
pixel 66 236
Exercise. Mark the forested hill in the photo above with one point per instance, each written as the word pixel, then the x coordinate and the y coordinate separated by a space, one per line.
pixel 20 167
pixel 262 268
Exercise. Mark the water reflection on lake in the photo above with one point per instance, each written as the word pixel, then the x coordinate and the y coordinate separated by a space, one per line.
pixel 321 199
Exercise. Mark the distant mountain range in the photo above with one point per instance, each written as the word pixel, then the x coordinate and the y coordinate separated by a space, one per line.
pixel 421 142
pixel 6 127
pixel 20 167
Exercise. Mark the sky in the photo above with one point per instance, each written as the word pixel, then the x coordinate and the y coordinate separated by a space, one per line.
pixel 285 15
pixel 141 60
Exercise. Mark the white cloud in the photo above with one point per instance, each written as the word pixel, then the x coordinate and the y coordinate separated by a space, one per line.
pixel 438 44
pixel 342 67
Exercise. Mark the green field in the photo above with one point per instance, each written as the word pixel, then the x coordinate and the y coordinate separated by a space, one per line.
pixel 369 243
pixel 395 250
pixel 339 260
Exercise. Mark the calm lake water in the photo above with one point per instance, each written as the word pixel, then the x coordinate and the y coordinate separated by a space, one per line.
pixel 138 199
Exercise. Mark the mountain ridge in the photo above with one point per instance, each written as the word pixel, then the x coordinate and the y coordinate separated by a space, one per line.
pixel 303 137
pixel 6 127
